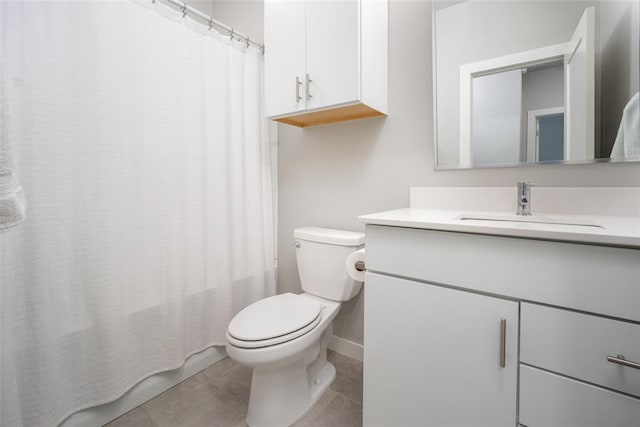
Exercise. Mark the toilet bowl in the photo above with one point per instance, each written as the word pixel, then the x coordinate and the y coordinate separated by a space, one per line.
pixel 284 337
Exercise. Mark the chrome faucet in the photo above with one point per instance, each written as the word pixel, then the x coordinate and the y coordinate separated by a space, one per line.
pixel 524 198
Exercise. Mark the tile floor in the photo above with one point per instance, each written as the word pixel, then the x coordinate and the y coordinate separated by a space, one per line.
pixel 218 396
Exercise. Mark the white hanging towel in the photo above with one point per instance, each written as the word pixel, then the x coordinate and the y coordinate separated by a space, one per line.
pixel 11 195
pixel 627 144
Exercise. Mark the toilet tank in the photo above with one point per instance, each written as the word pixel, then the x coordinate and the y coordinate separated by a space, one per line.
pixel 321 254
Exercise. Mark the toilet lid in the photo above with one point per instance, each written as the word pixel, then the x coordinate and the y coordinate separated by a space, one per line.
pixel 276 316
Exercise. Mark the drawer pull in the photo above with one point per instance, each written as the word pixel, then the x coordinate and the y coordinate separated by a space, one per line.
pixel 298 84
pixel 503 342
pixel 620 360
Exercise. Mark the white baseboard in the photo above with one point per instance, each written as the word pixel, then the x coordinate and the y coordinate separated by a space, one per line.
pixel 145 390
pixel 346 347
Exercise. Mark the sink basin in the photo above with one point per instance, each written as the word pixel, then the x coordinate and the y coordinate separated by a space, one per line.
pixel 535 219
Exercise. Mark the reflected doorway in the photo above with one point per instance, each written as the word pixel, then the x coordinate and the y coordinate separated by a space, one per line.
pixel 545 135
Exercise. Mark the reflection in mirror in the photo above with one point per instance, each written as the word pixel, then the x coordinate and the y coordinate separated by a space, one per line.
pixel 536 81
pixel 507 110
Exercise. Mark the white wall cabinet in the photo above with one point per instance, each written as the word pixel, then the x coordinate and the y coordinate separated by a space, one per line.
pixel 325 61
pixel 436 356
pixel 432 303
pixel 285 62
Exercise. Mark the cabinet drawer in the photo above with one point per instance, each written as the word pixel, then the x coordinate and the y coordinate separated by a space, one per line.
pixel 577 345
pixel 551 400
pixel 595 279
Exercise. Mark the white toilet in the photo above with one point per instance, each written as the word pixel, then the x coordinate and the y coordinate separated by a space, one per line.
pixel 284 337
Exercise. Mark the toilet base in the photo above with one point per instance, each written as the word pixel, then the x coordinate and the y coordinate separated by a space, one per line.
pixel 289 378
pixel 299 387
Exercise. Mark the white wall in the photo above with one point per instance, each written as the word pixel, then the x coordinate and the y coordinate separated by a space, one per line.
pixel 331 174
pixel 204 6
pixel 244 16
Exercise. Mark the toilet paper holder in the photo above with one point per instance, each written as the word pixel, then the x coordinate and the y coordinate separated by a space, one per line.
pixel 359 265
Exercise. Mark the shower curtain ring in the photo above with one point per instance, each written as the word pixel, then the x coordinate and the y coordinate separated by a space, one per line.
pixel 184 10
pixel 231 34
pixel 210 24
pixel 247 41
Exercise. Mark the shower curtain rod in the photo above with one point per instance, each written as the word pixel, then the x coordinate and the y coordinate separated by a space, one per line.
pixel 186 9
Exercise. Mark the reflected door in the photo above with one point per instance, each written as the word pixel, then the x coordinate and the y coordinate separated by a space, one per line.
pixel 580 90
pixel 496 113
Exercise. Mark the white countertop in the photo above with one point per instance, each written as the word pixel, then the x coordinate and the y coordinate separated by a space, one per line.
pixel 612 231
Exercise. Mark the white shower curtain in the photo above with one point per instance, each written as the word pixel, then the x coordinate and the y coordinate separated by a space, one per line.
pixel 141 148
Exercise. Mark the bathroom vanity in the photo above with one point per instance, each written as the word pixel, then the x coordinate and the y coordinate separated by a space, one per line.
pixel 497 322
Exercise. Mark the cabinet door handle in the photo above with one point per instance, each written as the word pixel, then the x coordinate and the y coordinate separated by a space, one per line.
pixel 308 87
pixel 620 360
pixel 298 84
pixel 503 342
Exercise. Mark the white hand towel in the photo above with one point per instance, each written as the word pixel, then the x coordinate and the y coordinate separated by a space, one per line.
pixel 11 195
pixel 627 145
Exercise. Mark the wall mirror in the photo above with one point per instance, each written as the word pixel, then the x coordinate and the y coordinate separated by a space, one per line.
pixel 533 81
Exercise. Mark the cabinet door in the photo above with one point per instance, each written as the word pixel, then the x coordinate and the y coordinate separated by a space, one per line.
pixel 432 356
pixel 333 56
pixel 284 37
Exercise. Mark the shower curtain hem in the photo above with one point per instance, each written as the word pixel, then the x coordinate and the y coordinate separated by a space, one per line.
pixel 128 388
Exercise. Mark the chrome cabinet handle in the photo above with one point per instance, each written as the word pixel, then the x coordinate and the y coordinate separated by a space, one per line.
pixel 503 342
pixel 620 360
pixel 308 87
pixel 298 84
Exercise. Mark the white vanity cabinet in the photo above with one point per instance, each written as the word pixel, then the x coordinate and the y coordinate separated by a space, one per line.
pixel 433 304
pixel 325 61
pixel 438 356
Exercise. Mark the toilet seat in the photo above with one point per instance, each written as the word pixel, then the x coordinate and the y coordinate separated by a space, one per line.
pixel 274 320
